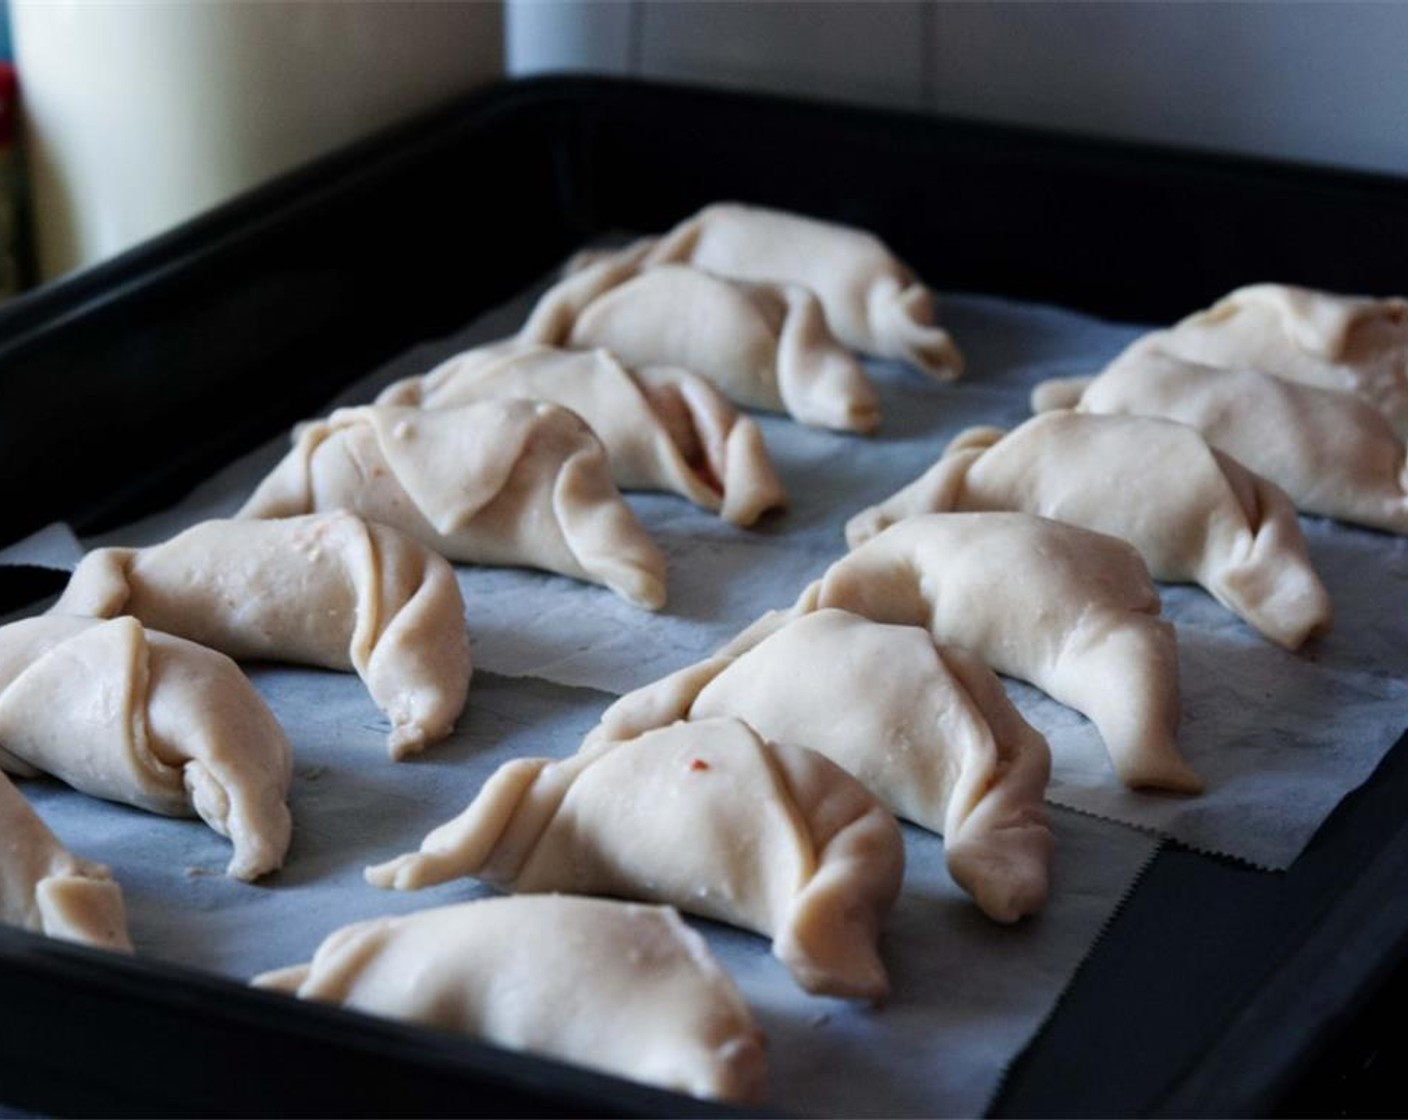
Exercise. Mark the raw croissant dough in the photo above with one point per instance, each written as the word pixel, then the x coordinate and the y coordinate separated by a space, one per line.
pixel 327 589
pixel 1194 514
pixel 663 428
pixel 44 888
pixel 764 345
pixel 1351 343
pixel 1072 611
pixel 706 816
pixel 619 987
pixel 929 731
pixel 150 720
pixel 873 302
pixel 499 482
pixel 1333 453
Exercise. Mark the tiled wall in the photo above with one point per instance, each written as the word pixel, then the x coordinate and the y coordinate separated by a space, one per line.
pixel 1318 81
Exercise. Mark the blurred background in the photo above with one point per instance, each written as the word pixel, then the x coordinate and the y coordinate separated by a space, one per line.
pixel 137 115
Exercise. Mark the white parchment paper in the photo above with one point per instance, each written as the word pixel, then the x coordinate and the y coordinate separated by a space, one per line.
pixel 968 993
pixel 1281 739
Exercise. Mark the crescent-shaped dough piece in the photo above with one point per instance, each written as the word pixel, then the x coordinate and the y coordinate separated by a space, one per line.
pixel 498 482
pixel 616 986
pixel 929 731
pixel 763 345
pixel 1194 514
pixel 1351 343
pixel 1072 611
pixel 326 589
pixel 150 720
pixel 1333 453
pixel 44 888
pixel 873 301
pixel 663 428
pixel 706 816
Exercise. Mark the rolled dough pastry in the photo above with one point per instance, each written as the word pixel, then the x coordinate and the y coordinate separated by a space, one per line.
pixel 929 731
pixel 873 301
pixel 663 428
pixel 619 987
pixel 1194 514
pixel 764 345
pixel 45 889
pixel 1333 453
pixel 499 482
pixel 1351 343
pixel 325 589
pixel 706 816
pixel 1072 611
pixel 150 720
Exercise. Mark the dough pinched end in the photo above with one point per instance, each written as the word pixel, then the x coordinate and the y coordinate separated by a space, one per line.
pixel 663 428
pixel 647 999
pixel 1072 611
pixel 706 816
pixel 929 731
pixel 150 720
pixel 1354 344
pixel 44 888
pixel 872 300
pixel 1194 514
pixel 498 482
pixel 763 344
pixel 325 589
pixel 1333 453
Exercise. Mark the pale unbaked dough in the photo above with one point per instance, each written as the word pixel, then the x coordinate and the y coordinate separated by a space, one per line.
pixel 663 428
pixel 616 986
pixel 1351 343
pixel 150 720
pixel 873 301
pixel 763 345
pixel 706 816
pixel 1194 514
pixel 1072 611
pixel 929 731
pixel 44 888
pixel 325 589
pixel 1333 453
pixel 498 482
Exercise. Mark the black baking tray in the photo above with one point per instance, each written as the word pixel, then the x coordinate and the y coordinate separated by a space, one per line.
pixel 1218 989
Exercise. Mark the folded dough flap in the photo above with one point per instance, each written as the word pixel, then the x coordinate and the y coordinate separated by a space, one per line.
pixel 1271 581
pixel 903 322
pixel 675 315
pixel 78 711
pixel 410 644
pixel 86 908
pixel 556 314
pixel 99 586
pixel 819 380
pixel 452 463
pixel 1059 392
pixel 45 888
pixel 719 456
pixel 1318 322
